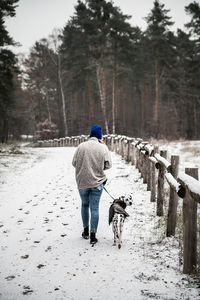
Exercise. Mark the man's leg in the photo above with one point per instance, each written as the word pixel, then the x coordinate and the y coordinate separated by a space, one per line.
pixel 94 198
pixel 84 194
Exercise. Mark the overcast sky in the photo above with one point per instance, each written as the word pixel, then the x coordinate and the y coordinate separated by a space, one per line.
pixel 35 19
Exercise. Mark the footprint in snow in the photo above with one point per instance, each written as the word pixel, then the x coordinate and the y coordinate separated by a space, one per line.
pixel 63 235
pixel 40 266
pixel 20 221
pixel 122 176
pixel 27 290
pixel 25 256
pixel 48 249
pixel 10 277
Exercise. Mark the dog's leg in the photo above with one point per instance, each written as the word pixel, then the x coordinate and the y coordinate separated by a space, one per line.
pixel 121 224
pixel 115 229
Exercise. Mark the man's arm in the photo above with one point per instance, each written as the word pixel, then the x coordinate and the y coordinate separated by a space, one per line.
pixel 74 158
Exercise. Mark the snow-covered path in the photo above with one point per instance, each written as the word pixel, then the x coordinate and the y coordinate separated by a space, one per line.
pixel 43 256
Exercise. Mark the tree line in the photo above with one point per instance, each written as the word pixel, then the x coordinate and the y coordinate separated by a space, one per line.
pixel 101 69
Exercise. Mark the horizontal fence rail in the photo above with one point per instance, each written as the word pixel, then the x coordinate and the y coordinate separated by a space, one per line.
pixel 155 170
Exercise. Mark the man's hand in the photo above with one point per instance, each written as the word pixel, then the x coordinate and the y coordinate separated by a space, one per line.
pixel 101 141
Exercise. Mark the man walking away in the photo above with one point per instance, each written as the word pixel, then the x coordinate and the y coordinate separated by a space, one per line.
pixel 90 160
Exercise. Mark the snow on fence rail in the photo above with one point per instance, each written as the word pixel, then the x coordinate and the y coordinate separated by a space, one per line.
pixel 155 169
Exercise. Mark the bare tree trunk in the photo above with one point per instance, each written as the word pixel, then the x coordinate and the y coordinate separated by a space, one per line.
pixel 84 116
pixel 4 133
pixel 62 98
pixel 102 91
pixel 48 108
pixel 194 133
pixel 181 119
pixel 114 97
pixel 91 102
pixel 70 109
pixel 157 89
pixel 56 40
pixel 113 104
pixel 143 98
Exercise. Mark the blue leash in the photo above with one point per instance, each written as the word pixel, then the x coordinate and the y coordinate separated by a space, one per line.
pixel 108 193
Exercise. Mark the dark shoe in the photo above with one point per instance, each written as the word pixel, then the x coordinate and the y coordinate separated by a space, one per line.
pixel 85 233
pixel 93 239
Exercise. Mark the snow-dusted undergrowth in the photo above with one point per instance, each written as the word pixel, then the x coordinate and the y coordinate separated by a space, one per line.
pixel 42 254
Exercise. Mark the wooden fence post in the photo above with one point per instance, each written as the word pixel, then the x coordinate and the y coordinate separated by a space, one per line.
pixel 123 147
pixel 112 142
pixel 161 176
pixel 190 228
pixel 144 168
pixel 129 140
pixel 109 142
pixel 139 162
pixel 137 158
pixel 116 144
pixel 173 198
pixel 153 182
pixel 132 153
pixel 120 145
pixel 148 173
pixel 105 139
pixel 153 177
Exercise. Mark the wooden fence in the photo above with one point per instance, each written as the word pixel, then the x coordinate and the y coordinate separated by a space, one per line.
pixel 155 170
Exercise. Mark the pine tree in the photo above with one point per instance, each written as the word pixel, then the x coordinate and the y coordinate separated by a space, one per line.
pixel 41 80
pixel 158 35
pixel 193 9
pixel 95 44
pixel 8 66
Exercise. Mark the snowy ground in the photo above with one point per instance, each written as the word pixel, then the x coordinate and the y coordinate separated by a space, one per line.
pixel 43 256
pixel 188 151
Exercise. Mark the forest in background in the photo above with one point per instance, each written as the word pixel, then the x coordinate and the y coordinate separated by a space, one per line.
pixel 100 69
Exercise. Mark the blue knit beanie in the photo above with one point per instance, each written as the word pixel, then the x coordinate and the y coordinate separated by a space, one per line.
pixel 96 131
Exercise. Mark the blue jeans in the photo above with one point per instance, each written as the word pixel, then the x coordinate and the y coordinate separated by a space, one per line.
pixel 90 201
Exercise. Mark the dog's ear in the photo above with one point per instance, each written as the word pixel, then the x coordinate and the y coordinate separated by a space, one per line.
pixel 117 200
pixel 121 202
